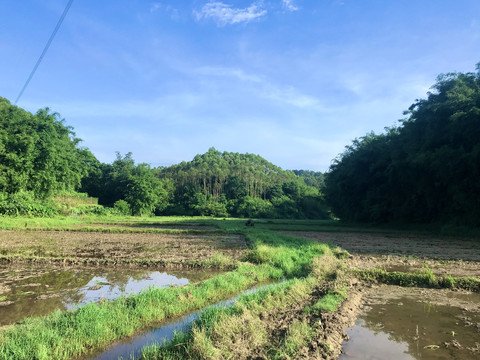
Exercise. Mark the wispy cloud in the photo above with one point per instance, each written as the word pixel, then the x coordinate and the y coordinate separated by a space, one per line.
pixel 224 14
pixel 264 88
pixel 289 5
pixel 173 12
pixel 155 7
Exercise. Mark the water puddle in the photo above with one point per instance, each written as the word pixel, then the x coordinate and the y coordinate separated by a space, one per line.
pixel 132 348
pixel 27 290
pixel 411 328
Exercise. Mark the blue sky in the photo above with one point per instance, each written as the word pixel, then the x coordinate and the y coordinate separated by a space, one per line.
pixel 294 81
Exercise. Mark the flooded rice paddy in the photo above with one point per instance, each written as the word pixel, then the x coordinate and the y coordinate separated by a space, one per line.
pixel 132 347
pixel 410 324
pixel 32 290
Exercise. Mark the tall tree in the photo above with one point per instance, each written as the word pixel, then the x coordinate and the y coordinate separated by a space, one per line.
pixel 425 170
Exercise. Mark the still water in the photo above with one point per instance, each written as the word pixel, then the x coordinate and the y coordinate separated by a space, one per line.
pixel 410 328
pixel 27 290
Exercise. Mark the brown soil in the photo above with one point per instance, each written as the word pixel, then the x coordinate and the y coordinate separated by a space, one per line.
pixel 329 326
pixel 145 226
pixel 121 247
pixel 380 294
pixel 408 245
pixel 4 289
pixel 405 253
pixel 457 268
pixel 337 322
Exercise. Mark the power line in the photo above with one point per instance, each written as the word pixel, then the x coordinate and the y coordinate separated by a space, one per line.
pixel 47 45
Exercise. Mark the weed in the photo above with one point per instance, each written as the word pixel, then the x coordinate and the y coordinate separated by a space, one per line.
pixel 298 335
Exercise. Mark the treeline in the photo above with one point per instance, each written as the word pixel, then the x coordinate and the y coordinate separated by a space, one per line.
pixel 39 156
pixel 426 170
pixel 41 162
pixel 215 183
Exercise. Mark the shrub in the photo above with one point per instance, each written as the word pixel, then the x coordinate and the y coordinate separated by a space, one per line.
pixel 24 203
pixel 122 207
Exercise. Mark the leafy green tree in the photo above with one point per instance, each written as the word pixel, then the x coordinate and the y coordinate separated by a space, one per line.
pixel 39 153
pixel 425 170
pixel 239 184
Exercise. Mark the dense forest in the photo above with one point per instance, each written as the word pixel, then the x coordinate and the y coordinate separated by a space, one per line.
pixel 425 170
pixel 39 156
pixel 40 159
pixel 215 183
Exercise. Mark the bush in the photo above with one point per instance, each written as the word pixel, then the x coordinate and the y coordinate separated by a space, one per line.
pixel 122 207
pixel 24 203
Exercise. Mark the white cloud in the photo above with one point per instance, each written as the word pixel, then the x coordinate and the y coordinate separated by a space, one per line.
pixel 173 12
pixel 289 5
pixel 264 88
pixel 155 7
pixel 224 14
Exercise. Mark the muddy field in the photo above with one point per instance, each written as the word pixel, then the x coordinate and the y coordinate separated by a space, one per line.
pixel 409 323
pixel 120 246
pixel 398 323
pixel 403 245
pixel 405 253
pixel 35 290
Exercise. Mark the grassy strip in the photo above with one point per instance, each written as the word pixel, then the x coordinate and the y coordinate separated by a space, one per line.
pixel 65 222
pixel 330 302
pixel 293 255
pixel 63 335
pixel 248 328
pixel 425 278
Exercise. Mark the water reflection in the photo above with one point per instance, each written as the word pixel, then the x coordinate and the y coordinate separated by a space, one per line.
pixel 27 290
pixel 131 348
pixel 408 328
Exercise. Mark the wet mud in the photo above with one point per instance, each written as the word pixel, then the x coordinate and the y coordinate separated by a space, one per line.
pixel 121 247
pixel 32 290
pixel 398 323
pixel 403 245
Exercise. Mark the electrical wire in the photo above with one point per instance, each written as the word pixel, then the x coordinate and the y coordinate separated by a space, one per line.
pixel 47 45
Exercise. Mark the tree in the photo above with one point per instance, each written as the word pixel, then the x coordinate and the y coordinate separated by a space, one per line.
pixel 39 153
pixel 425 170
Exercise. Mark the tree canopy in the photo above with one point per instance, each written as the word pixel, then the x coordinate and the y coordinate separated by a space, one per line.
pixel 39 153
pixel 227 183
pixel 425 170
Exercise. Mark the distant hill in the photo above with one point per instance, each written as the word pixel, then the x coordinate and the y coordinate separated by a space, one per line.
pixel 40 159
pixel 236 184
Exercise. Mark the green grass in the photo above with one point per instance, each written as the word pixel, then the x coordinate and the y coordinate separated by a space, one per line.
pixel 63 335
pixel 425 278
pixel 232 332
pixel 94 325
pixel 329 302
pixel 244 330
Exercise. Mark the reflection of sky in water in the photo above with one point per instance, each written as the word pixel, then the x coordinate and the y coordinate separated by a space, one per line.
pixel 372 345
pixel 132 348
pixel 37 290
pixel 111 290
pixel 407 328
